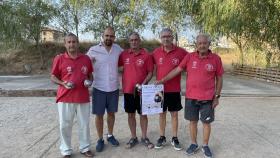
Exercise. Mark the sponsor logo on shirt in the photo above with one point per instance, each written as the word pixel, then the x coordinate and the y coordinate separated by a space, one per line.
pixel 126 61
pixel 209 67
pixel 84 70
pixel 140 62
pixel 160 61
pixel 175 61
pixel 69 70
pixel 194 64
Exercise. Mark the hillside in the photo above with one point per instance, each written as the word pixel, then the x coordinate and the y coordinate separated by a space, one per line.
pixel 32 60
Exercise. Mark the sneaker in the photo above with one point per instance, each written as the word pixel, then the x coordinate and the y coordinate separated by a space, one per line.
pixel 147 143
pixel 100 145
pixel 193 148
pixel 207 152
pixel 113 141
pixel 176 144
pixel 131 143
pixel 161 142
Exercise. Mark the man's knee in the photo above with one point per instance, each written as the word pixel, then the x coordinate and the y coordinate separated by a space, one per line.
pixel 111 114
pixel 193 123
pixel 131 115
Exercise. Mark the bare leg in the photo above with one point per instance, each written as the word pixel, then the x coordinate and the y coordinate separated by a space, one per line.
pixel 132 124
pixel 144 125
pixel 193 131
pixel 206 133
pixel 99 125
pixel 110 122
pixel 162 123
pixel 174 117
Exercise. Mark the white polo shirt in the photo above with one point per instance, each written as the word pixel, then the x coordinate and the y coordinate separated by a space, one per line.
pixel 106 77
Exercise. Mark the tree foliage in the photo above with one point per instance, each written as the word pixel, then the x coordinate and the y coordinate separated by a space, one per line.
pixel 124 15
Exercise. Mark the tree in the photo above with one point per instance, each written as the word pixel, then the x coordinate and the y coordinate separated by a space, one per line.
pixel 124 15
pixel 172 14
pixel 11 30
pixel 255 23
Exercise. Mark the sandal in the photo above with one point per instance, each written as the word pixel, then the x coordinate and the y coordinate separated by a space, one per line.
pixel 147 143
pixel 131 143
pixel 88 154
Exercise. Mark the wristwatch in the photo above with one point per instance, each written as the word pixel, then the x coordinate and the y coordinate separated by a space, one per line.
pixel 217 96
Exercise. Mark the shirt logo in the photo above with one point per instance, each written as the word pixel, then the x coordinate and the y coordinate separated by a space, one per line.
pixel 140 62
pixel 194 64
pixel 84 70
pixel 209 67
pixel 126 61
pixel 160 61
pixel 69 70
pixel 175 61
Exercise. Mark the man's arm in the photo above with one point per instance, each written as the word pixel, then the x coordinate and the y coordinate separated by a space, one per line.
pixel 54 79
pixel 219 86
pixel 148 78
pixel 90 77
pixel 170 75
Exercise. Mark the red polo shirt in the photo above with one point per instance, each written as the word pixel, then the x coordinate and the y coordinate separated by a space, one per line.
pixel 165 62
pixel 76 71
pixel 135 68
pixel 201 75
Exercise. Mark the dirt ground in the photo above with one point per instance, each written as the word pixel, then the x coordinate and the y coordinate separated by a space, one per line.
pixel 245 127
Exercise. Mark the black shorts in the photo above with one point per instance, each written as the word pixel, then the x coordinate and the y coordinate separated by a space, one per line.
pixel 172 101
pixel 132 103
pixel 193 107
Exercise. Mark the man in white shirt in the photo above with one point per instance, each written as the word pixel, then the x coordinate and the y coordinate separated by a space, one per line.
pixel 105 94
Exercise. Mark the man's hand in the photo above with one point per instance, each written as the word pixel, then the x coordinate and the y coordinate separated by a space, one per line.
pixel 157 82
pixel 65 84
pixel 93 59
pixel 87 83
pixel 215 103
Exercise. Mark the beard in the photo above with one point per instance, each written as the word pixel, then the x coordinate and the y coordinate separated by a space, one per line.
pixel 108 43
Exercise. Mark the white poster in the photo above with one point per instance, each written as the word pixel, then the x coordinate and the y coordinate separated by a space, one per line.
pixel 152 99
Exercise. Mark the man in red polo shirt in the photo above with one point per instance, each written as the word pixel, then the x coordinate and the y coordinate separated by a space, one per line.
pixel 137 69
pixel 72 71
pixel 166 58
pixel 203 88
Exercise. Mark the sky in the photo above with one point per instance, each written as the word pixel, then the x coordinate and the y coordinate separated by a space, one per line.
pixel 189 34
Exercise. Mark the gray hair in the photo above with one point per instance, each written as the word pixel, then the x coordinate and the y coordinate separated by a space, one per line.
pixel 166 30
pixel 134 33
pixel 70 34
pixel 205 36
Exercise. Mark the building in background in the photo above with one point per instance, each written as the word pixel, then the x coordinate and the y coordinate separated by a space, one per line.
pixel 51 35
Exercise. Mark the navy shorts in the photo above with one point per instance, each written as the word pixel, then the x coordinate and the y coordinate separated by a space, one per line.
pixel 104 100
pixel 132 103
pixel 172 101
pixel 193 107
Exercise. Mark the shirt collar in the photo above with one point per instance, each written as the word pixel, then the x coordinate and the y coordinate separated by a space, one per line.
pixel 141 51
pixel 173 48
pixel 66 55
pixel 209 55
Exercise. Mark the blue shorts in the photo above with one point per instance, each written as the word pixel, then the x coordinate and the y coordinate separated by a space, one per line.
pixel 104 100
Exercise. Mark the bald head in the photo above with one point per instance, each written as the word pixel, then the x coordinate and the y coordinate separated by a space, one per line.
pixel 109 36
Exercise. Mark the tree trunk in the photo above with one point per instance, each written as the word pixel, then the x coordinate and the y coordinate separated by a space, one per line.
pixel 76 20
pixel 268 56
pixel 240 48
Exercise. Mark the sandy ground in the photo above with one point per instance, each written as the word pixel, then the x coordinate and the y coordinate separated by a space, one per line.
pixel 245 127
